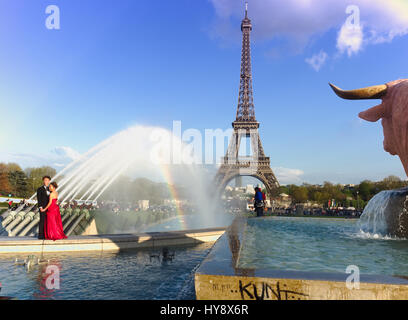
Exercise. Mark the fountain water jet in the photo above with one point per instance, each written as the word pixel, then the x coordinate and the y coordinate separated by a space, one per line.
pixel 138 151
pixel 387 214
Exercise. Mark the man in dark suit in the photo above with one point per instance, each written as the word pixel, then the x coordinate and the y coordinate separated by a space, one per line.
pixel 43 197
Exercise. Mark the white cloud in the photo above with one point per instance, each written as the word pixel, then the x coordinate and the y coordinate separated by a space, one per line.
pixel 288 176
pixel 67 152
pixel 58 157
pixel 299 22
pixel 350 39
pixel 318 60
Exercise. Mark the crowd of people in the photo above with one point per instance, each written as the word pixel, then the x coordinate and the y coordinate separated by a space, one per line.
pixel 317 212
pixel 260 209
pixel 11 205
pixel 74 205
pixel 259 202
pixel 117 207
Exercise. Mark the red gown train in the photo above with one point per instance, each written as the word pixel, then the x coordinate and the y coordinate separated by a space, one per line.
pixel 53 224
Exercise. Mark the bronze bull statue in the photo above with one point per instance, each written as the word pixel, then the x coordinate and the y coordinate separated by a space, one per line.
pixel 387 212
pixel 393 111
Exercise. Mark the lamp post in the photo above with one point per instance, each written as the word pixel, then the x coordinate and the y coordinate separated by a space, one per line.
pixel 358 204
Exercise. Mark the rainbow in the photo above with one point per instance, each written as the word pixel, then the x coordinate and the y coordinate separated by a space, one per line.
pixel 168 178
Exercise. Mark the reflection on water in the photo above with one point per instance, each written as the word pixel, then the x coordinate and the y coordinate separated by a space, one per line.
pixel 234 242
pixel 46 286
pixel 124 275
pixel 324 245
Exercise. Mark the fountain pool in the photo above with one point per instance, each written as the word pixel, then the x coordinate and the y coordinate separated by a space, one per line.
pixel 138 274
pixel 256 258
pixel 303 258
pixel 320 245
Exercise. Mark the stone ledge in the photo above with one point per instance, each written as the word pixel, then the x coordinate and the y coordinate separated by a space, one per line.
pixel 218 287
pixel 111 242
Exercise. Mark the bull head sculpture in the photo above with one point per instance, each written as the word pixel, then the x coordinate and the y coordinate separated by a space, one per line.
pixel 393 111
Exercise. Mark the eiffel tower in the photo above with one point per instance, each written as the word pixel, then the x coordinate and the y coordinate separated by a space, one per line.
pixel 245 126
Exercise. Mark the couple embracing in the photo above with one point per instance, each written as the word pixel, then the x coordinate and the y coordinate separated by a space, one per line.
pixel 50 225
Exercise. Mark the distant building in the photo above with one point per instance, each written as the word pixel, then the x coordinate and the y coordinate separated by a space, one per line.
pixel 143 204
pixel 174 202
pixel 349 186
pixel 284 200
pixel 250 189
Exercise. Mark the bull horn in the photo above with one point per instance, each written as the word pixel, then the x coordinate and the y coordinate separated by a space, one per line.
pixel 374 92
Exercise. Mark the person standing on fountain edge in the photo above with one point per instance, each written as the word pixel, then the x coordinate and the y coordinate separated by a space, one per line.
pixel 53 229
pixel 43 194
pixel 258 202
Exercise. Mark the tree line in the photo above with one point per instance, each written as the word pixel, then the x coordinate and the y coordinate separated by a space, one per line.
pixel 344 196
pixel 17 182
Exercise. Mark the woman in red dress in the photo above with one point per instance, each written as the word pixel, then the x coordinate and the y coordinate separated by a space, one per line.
pixel 53 229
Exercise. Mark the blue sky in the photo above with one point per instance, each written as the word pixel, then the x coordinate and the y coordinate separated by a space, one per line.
pixel 114 64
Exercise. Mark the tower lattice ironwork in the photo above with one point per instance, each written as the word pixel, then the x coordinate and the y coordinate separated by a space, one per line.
pixel 245 125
